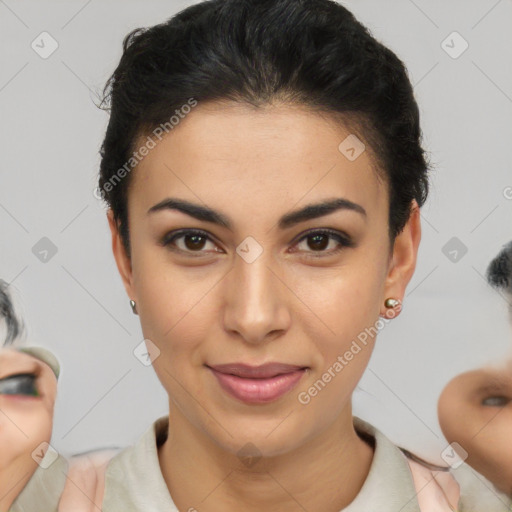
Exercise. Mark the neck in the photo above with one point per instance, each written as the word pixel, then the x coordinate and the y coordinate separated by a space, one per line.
pixel 325 473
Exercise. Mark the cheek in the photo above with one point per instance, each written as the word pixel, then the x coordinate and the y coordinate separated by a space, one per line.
pixel 346 307
pixel 158 305
pixel 340 336
pixel 491 451
pixel 460 416
pixel 166 291
pixel 177 314
pixel 25 424
pixel 494 432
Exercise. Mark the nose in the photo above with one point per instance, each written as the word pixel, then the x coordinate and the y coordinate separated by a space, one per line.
pixel 256 296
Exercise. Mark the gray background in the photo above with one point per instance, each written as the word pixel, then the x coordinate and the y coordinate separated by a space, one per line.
pixel 75 303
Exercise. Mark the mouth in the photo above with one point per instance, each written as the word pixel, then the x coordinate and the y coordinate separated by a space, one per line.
pixel 264 371
pixel 257 384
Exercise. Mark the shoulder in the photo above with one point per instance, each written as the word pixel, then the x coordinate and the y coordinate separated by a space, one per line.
pixel 463 488
pixel 436 487
pixel 45 487
pixel 66 483
pixel 85 481
pixel 399 481
pixel 478 493
pixel 134 480
pixel 117 478
pixel 125 479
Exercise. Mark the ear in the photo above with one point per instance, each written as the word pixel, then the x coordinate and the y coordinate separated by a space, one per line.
pixel 123 262
pixel 403 258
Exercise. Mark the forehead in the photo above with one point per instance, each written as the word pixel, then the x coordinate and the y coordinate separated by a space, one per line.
pixel 12 361
pixel 230 153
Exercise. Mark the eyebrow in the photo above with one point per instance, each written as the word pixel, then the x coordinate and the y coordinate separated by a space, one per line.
pixel 311 211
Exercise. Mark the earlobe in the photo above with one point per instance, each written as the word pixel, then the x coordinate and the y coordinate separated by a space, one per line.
pixel 122 261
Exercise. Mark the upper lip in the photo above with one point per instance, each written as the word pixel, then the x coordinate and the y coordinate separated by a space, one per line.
pixel 263 371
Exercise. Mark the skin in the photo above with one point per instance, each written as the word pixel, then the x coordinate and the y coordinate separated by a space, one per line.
pixel 286 306
pixel 25 423
pixel 475 410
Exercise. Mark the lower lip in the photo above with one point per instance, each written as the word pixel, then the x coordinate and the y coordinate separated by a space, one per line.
pixel 258 391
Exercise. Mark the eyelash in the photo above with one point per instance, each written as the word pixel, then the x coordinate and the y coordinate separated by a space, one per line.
pixel 19 384
pixel 344 241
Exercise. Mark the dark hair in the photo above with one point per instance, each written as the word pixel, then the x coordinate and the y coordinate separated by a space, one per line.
pixel 13 325
pixel 312 53
pixel 499 271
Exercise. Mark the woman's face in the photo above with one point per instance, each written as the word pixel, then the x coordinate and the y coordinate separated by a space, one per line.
pixel 28 390
pixel 261 289
pixel 475 410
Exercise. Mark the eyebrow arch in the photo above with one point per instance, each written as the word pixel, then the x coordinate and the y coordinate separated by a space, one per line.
pixel 311 211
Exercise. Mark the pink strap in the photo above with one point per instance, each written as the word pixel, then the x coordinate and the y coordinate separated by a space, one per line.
pixel 437 491
pixel 85 482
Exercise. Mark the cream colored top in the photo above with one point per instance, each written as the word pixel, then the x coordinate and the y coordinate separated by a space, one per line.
pixel 134 482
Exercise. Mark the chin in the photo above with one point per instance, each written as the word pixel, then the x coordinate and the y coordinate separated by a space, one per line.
pixel 251 439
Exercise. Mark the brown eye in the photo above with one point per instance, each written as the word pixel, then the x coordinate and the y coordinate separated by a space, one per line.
pixel 194 242
pixel 317 241
pixel 191 241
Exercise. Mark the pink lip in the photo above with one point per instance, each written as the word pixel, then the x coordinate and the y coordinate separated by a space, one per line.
pixel 262 371
pixel 257 384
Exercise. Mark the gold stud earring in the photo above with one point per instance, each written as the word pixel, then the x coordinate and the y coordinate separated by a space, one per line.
pixel 391 303
pixel 134 307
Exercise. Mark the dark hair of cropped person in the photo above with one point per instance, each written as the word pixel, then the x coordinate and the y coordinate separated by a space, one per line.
pixel 308 53
pixel 13 326
pixel 499 270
